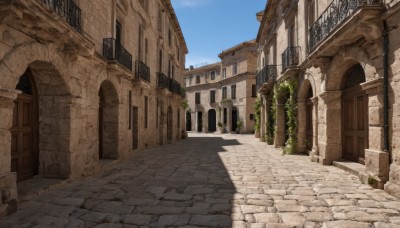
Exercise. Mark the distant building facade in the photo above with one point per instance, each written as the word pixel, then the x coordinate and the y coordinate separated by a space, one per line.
pixel 223 92
pixel 83 82
pixel 328 76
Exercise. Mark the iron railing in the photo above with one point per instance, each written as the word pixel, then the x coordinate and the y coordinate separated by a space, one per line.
pixel 142 71
pixel 68 10
pixel 268 73
pixel 290 57
pixel 113 50
pixel 336 12
pixel 174 86
pixel 162 81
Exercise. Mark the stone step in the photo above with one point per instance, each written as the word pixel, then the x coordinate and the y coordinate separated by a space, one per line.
pixel 351 167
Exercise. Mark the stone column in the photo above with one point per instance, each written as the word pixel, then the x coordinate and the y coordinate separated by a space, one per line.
pixel 376 160
pixel 314 156
pixel 302 127
pixel 196 121
pixel 280 125
pixel 330 143
pixel 8 180
pixel 229 119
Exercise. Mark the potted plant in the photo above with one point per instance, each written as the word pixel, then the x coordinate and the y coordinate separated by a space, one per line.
pixel 238 126
pixel 221 127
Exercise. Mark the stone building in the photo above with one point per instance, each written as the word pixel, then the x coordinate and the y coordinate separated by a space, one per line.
pixel 334 66
pixel 223 92
pixel 83 82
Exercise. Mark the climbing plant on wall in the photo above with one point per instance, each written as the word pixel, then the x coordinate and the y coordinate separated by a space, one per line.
pixel 288 90
pixel 257 111
pixel 270 125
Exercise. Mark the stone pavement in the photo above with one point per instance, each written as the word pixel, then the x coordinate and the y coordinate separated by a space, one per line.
pixel 213 181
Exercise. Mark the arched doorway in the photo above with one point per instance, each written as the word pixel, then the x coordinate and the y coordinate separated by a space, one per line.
pixel 24 131
pixel 354 115
pixel 199 121
pixel 108 121
pixel 170 124
pixel 188 121
pixel 212 120
pixel 309 120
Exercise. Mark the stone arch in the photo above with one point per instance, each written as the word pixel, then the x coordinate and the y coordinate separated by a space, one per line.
pixel 108 121
pixel 343 61
pixel 306 120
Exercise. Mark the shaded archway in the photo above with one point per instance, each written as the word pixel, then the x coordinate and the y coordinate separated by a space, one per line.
pixel 188 121
pixel 170 125
pixel 212 120
pixel 306 118
pixel 108 121
pixel 354 115
pixel 41 129
pixel 235 117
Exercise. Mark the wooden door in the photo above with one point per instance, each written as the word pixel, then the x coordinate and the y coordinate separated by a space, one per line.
pixel 135 128
pixel 212 120
pixel 199 121
pixel 101 124
pixel 24 131
pixel 355 126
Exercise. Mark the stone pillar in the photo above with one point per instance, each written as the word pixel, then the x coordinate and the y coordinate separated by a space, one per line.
pixel 229 119
pixel 376 160
pixel 263 129
pixel 205 123
pixel 314 155
pixel 8 180
pixel 280 125
pixel 196 121
pixel 302 127
pixel 330 143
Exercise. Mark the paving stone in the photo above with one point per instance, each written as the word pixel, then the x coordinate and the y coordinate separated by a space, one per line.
pixel 346 224
pixel 288 208
pixel 211 220
pixel 251 209
pixel 159 210
pixel 138 219
pixel 318 216
pixel 293 219
pixel 173 220
pixel 266 218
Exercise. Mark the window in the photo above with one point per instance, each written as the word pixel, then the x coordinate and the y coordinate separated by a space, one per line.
pixel 169 37
pixel 223 92
pixel 291 36
pixel 212 75
pixel 118 33
pixel 197 98
pixel 311 13
pixel 233 92
pixel 234 69
pixel 212 96
pixel 197 79
pixel 225 116
pixel 224 73
pixel 169 67
pixel 140 42
pixel 130 110
pixel 146 111
pixel 251 116
pixel 146 50
pixel 253 91
pixel 160 61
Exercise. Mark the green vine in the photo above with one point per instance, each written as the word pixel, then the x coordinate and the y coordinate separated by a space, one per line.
pixel 270 125
pixel 185 104
pixel 257 114
pixel 288 90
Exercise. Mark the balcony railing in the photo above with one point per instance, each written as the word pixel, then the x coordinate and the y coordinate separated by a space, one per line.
pixel 290 58
pixel 336 12
pixel 268 73
pixel 113 50
pixel 142 71
pixel 162 81
pixel 174 86
pixel 68 10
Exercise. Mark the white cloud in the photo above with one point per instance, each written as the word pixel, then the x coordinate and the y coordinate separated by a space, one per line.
pixel 189 3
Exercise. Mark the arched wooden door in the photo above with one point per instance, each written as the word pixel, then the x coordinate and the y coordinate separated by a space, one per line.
pixel 309 120
pixel 354 116
pixel 24 131
pixel 212 120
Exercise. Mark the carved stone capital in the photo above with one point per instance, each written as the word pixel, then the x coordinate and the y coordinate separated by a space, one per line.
pixel 329 96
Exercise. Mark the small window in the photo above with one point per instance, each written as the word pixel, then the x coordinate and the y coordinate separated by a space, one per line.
pixel 253 91
pixel 234 69
pixel 251 116
pixel 224 93
pixel 197 79
pixel 197 98
pixel 224 73
pixel 233 92
pixel 212 75
pixel 212 96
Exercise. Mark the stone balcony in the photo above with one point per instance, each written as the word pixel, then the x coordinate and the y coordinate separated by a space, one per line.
pixel 142 74
pixel 117 56
pixel 49 21
pixel 343 23
pixel 266 78
pixel 290 61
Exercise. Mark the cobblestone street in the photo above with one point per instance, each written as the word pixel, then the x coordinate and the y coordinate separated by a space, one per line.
pixel 209 181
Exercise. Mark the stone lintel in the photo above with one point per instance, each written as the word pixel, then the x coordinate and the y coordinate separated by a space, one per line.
pixel 9 94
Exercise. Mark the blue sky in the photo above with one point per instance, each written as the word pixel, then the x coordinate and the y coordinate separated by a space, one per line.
pixel 210 26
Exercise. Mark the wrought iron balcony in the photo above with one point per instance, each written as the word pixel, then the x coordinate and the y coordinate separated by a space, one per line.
pixel 267 74
pixel 68 10
pixel 174 86
pixel 290 58
pixel 333 16
pixel 113 50
pixel 162 81
pixel 142 71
